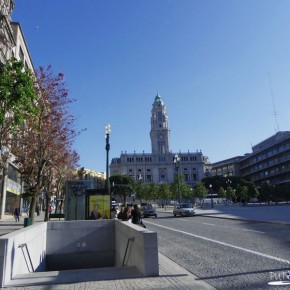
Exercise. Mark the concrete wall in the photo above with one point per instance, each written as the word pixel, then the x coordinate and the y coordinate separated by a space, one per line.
pixel 76 245
pixel 12 260
pixel 142 250
pixel 80 245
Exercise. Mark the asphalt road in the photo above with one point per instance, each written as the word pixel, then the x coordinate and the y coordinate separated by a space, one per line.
pixel 228 254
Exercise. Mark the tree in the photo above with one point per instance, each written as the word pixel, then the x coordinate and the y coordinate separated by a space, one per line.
pixel 200 191
pixel 142 190
pixel 17 102
pixel 45 142
pixel 242 193
pixel 164 193
pixel 152 192
pixel 180 189
pixel 55 177
pixel 230 193
pixel 222 193
pixel 265 192
pixel 123 185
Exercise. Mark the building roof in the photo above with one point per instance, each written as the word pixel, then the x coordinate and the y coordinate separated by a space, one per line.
pixel 158 101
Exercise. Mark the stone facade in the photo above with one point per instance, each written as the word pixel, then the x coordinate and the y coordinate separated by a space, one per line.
pixel 7 41
pixel 158 166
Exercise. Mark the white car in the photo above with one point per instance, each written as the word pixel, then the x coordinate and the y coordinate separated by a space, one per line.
pixel 184 209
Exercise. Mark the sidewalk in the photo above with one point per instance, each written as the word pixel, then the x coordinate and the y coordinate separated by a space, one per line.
pixel 171 275
pixel 8 223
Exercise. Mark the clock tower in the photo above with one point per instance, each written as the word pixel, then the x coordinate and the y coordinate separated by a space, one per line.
pixel 160 132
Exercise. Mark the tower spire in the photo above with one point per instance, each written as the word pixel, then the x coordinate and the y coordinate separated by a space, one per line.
pixel 159 127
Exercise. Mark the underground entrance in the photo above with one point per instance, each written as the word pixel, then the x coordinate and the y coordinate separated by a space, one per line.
pixel 71 251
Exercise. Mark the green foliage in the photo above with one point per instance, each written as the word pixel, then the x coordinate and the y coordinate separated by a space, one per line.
pixel 164 191
pixel 152 192
pixel 123 185
pixel 200 191
pixel 179 186
pixel 230 193
pixel 242 192
pixel 17 94
pixel 142 191
pixel 221 192
pixel 266 192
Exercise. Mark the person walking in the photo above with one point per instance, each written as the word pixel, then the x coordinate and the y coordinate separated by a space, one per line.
pixel 17 214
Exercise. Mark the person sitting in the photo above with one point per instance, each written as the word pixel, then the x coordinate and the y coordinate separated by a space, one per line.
pixel 136 215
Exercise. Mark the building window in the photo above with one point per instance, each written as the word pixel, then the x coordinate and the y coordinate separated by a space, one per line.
pixel 21 54
pixel 161 146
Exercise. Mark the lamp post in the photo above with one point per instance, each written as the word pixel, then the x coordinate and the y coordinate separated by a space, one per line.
pixel 108 132
pixel 210 189
pixel 176 164
pixel 228 182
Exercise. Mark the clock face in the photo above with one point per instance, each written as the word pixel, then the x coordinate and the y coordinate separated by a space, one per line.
pixel 161 137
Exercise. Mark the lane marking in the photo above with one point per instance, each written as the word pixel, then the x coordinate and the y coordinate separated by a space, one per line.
pixel 247 230
pixel 208 224
pixel 224 244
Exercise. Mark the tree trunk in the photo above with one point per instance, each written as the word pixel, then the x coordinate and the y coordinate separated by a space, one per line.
pixel 32 209
pixel 47 201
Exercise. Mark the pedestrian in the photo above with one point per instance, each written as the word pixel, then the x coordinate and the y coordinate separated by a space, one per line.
pixel 123 214
pixel 37 209
pixel 113 212
pixel 17 214
pixel 136 215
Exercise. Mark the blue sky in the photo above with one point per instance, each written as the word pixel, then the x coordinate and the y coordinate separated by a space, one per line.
pixel 211 61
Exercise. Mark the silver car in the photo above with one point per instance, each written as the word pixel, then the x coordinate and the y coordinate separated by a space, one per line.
pixel 184 209
pixel 148 210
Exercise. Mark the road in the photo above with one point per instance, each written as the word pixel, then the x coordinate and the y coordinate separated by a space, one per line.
pixel 228 254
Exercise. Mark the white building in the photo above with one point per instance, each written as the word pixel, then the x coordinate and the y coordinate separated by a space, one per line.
pixel 159 166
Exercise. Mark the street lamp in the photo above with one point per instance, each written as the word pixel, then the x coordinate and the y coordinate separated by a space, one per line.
pixel 176 164
pixel 210 189
pixel 108 132
pixel 228 182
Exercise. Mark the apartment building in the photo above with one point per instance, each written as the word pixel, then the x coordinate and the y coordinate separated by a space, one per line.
pixel 12 44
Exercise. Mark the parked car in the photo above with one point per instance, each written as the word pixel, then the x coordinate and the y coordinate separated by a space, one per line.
pixel 184 209
pixel 148 210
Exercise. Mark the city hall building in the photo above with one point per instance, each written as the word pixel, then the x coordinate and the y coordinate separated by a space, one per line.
pixel 159 166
